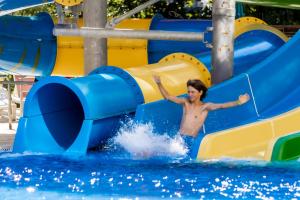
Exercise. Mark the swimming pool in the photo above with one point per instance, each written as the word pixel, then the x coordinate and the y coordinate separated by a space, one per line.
pixel 112 174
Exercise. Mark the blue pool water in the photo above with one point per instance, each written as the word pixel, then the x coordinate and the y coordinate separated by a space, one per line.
pixel 115 175
pixel 119 171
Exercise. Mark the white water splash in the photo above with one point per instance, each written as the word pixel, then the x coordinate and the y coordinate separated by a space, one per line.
pixel 140 140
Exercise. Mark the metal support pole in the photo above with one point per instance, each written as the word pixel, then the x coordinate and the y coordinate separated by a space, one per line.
pixel 21 101
pixel 134 34
pixel 76 12
pixel 95 49
pixel 223 39
pixel 9 108
pixel 117 20
pixel 60 13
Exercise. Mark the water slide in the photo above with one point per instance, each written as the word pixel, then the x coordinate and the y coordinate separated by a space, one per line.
pixel 83 114
pixel 251 130
pixel 86 110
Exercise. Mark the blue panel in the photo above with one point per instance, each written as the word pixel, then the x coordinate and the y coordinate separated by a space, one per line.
pixel 102 130
pixel 287 102
pixel 158 49
pixel 33 135
pixel 27 45
pixel 250 48
pixel 11 5
pixel 164 115
pixel 277 78
pixel 229 118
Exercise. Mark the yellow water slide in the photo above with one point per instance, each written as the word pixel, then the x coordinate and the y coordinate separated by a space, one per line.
pixel 274 88
pixel 255 140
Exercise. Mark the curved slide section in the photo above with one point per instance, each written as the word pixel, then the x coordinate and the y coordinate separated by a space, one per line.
pixel 247 131
pixel 86 111
pixel 27 45
pixel 273 112
pixel 254 41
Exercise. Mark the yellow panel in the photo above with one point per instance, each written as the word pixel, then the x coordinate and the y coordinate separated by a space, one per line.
pixel 121 52
pixel 125 58
pixel 69 60
pixel 69 2
pixel 136 24
pixel 129 52
pixel 255 140
pixel 174 70
pixel 248 20
pixel 243 142
pixel 287 123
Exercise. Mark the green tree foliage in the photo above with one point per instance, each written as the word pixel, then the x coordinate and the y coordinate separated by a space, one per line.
pixel 177 9
pixel 183 9
pixel 274 16
pixel 49 8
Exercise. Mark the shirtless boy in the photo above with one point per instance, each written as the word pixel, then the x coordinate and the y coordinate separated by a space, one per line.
pixel 194 110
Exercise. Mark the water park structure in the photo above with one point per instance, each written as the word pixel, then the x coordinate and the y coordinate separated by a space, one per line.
pixel 114 78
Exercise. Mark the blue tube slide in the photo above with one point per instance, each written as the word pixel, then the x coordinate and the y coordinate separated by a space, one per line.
pixel 9 6
pixel 250 48
pixel 157 49
pixel 27 45
pixel 273 85
pixel 73 115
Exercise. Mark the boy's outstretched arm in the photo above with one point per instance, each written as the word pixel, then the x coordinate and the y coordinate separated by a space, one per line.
pixel 242 100
pixel 165 93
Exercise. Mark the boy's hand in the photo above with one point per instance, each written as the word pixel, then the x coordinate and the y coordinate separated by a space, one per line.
pixel 243 98
pixel 156 79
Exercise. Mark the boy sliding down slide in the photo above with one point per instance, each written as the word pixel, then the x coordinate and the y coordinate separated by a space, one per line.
pixel 194 110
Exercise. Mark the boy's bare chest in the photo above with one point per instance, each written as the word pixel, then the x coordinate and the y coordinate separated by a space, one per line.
pixel 195 112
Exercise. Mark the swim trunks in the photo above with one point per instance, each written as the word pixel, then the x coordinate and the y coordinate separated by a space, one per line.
pixel 188 140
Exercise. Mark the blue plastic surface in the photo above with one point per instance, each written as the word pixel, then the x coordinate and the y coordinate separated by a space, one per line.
pixel 250 48
pixel 273 86
pixel 27 45
pixel 72 115
pixel 8 6
pixel 157 49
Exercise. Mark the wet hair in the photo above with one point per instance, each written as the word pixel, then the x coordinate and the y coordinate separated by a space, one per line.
pixel 198 85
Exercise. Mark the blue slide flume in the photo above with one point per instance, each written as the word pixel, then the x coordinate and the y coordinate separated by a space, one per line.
pixel 272 84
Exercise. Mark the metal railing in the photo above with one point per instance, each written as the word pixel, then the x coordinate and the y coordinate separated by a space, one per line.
pixel 289 30
pixel 9 96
